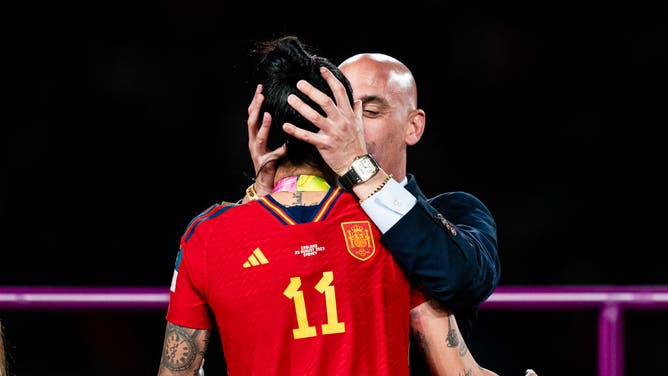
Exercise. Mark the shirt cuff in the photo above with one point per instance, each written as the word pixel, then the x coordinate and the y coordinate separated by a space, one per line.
pixel 387 206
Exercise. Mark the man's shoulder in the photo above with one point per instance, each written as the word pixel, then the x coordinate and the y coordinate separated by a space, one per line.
pixel 458 198
pixel 465 208
pixel 453 197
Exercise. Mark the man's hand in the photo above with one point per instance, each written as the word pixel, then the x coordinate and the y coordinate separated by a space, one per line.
pixel 341 135
pixel 264 160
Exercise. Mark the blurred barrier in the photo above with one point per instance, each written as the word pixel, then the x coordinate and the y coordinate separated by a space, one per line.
pixel 81 298
pixel 610 301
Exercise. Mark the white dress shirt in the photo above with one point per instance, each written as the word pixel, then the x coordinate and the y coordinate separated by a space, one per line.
pixel 387 206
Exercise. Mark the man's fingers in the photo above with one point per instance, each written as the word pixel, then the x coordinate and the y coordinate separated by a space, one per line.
pixel 302 134
pixel 530 372
pixel 306 111
pixel 340 94
pixel 322 99
pixel 357 108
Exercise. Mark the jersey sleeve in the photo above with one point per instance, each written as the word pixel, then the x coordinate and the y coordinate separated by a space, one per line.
pixel 187 300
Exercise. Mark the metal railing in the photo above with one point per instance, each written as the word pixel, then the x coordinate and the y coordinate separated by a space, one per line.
pixel 610 301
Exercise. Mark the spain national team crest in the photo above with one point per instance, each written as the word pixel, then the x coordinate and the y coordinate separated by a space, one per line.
pixel 359 239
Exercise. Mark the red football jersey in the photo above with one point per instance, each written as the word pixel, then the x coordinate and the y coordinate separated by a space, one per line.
pixel 321 297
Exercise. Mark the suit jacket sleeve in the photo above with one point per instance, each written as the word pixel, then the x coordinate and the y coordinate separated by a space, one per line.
pixel 449 243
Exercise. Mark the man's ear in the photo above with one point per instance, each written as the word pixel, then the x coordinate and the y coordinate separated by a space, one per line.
pixel 415 128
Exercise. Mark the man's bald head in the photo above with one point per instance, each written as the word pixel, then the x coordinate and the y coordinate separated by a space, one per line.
pixel 392 120
pixel 397 76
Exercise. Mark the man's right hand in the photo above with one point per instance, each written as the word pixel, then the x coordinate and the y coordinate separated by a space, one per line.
pixel 264 160
pixel 340 138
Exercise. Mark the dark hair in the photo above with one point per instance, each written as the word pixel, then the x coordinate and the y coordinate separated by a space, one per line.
pixel 284 62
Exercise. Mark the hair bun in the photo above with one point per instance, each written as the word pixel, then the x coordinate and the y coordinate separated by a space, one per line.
pixel 284 58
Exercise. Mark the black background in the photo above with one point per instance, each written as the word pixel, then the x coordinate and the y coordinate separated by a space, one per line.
pixel 127 119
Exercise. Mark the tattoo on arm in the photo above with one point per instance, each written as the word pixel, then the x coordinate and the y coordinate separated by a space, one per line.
pixel 181 348
pixel 452 340
pixel 463 349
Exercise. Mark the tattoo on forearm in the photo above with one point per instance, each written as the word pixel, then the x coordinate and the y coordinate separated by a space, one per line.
pixel 467 372
pixel 452 340
pixel 463 349
pixel 180 349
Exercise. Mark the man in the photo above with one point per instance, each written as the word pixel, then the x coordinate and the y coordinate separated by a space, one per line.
pixel 448 241
pixel 297 281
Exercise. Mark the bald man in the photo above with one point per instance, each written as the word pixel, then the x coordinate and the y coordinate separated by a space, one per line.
pixel 448 242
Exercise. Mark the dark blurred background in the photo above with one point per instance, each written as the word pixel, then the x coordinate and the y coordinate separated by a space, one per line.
pixel 127 119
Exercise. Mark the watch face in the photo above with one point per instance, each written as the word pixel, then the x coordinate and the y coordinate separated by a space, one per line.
pixel 365 168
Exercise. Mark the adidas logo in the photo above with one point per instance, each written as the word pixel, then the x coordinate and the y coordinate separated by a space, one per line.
pixel 255 259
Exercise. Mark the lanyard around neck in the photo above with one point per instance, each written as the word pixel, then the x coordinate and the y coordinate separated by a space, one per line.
pixel 297 183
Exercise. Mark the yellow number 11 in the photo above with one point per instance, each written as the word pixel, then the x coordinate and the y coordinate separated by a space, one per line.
pixel 304 330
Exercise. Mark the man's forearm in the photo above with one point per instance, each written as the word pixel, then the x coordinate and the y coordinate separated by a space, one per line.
pixel 441 341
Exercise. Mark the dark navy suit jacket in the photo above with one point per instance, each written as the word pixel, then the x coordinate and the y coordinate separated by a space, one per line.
pixel 449 244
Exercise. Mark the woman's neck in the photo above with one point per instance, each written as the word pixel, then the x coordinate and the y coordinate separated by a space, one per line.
pixel 301 185
pixel 287 169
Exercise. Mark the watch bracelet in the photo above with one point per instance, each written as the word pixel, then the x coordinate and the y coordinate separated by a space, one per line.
pixel 378 188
